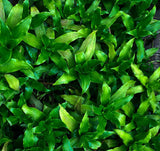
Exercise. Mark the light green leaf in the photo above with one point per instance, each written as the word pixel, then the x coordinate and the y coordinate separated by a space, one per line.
pixel 12 81
pixel 33 41
pixel 128 109
pixel 126 137
pixel 87 47
pixel 84 125
pixel 150 52
pixel 121 148
pixel 135 90
pixel 5 146
pixel 67 119
pixel 106 93
pixel 121 92
pixel 2 13
pixel 72 99
pixel 21 28
pixel 139 74
pixel 32 112
pixel 66 144
pixel 14 65
pixel 126 50
pixel 143 107
pixel 155 75
pixel 65 79
pixel 93 144
pixel 15 16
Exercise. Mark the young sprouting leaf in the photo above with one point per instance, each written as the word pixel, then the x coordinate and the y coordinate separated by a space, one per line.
pixel 32 112
pixel 21 28
pixel 126 50
pixel 126 137
pixel 87 48
pixel 33 41
pixel 2 12
pixel 155 75
pixel 15 16
pixel 84 126
pixel 67 119
pixel 84 82
pixel 140 50
pixel 139 74
pixel 4 33
pixel 14 65
pixel 67 144
pixel 38 19
pixel 12 81
pixel 106 94
pixel 30 139
pixel 122 91
pixel 5 55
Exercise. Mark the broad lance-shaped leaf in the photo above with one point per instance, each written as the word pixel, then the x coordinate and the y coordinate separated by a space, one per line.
pixel 14 65
pixel 140 50
pixel 126 137
pixel 4 33
pixel 22 27
pixel 2 13
pixel 5 55
pixel 155 75
pixel 139 74
pixel 34 113
pixel 126 50
pixel 12 81
pixel 121 92
pixel 67 144
pixel 84 82
pixel 150 52
pixel 67 119
pixel 72 99
pixel 33 41
pixel 106 94
pixel 15 16
pixel 66 78
pixel 87 48
pixel 84 126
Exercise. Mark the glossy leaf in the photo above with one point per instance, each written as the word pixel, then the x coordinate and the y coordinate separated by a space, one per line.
pixel 66 144
pixel 106 93
pixel 139 74
pixel 84 125
pixel 67 119
pixel 140 50
pixel 155 75
pixel 15 16
pixel 12 81
pixel 32 112
pixel 72 99
pixel 126 137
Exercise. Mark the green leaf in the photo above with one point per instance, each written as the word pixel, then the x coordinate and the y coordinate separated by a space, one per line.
pixel 150 52
pixel 93 144
pixel 128 109
pixel 5 146
pixel 14 65
pixel 5 55
pixel 143 107
pixel 106 93
pixel 32 40
pixel 68 7
pixel 84 125
pixel 135 90
pixel 121 92
pixel 126 50
pixel 121 148
pixel 66 144
pixel 154 26
pixel 32 112
pixel 139 74
pixel 25 8
pixel 12 81
pixel 38 19
pixel 67 119
pixel 29 139
pixel 87 47
pixel 4 33
pixel 72 99
pixel 65 79
pixel 2 12
pixel 140 50
pixel 126 137
pixel 21 28
pixel 15 16
pixel 84 82
pixel 155 75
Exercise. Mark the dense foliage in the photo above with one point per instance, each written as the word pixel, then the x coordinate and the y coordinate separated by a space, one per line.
pixel 75 75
